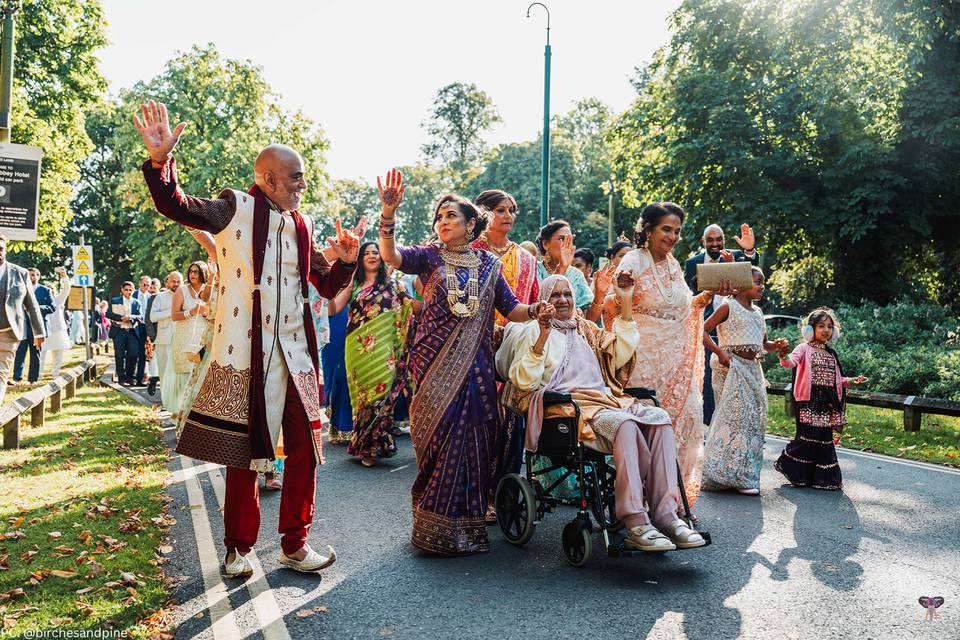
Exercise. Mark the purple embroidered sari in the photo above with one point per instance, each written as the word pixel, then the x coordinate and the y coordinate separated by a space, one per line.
pixel 454 414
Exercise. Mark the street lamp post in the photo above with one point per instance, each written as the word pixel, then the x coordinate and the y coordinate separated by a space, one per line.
pixel 610 224
pixel 7 8
pixel 545 160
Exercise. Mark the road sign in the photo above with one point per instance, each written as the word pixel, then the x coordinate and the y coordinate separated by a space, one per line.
pixel 82 265
pixel 19 190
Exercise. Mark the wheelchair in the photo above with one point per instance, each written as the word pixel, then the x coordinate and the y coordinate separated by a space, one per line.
pixel 522 501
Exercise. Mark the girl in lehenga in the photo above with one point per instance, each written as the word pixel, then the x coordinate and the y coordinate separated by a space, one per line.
pixel 454 411
pixel 379 317
pixel 670 321
pixel 819 391
pixel 734 450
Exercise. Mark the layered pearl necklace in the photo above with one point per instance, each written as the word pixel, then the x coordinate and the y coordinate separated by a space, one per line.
pixel 667 292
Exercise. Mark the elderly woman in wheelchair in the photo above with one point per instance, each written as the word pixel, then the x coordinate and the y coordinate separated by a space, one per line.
pixel 561 356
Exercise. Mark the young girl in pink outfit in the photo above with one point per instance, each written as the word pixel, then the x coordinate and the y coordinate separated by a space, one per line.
pixel 819 392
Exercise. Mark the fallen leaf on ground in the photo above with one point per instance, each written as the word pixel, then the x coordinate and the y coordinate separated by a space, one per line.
pixel 63 574
pixel 14 535
pixel 60 621
pixel 27 556
pixel 16 522
pixel 85 608
pixel 13 593
pixel 54 535
pixel 94 569
pixel 165 549
pixel 80 592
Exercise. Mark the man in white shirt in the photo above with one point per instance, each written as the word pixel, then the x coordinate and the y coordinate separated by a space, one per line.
pixel 159 309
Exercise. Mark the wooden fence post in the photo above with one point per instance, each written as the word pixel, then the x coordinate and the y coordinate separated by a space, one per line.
pixel 36 415
pixel 71 388
pixel 56 401
pixel 911 417
pixel 788 400
pixel 11 433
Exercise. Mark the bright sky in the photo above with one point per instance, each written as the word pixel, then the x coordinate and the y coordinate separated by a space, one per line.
pixel 368 71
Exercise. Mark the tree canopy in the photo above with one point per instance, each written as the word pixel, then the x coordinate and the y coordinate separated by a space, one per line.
pixel 817 121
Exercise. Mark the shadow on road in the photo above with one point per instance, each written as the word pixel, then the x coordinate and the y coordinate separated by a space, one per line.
pixel 817 514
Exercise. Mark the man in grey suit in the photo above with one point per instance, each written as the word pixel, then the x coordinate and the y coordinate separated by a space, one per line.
pixel 19 308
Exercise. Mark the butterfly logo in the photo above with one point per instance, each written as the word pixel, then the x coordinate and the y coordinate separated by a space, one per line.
pixel 931 604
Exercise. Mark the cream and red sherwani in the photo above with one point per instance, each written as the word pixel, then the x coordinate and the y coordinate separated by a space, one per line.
pixel 262 376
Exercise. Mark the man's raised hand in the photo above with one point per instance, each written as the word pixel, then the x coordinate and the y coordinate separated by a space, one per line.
pixel 155 129
pixel 746 239
pixel 391 193
pixel 345 245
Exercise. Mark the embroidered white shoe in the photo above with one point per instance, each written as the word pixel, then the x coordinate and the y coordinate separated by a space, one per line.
pixel 238 567
pixel 749 492
pixel 647 537
pixel 314 561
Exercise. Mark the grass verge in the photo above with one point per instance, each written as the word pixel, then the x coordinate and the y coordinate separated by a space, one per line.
pixel 83 515
pixel 881 431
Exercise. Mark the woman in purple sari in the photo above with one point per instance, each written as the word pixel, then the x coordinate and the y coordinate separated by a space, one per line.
pixel 453 416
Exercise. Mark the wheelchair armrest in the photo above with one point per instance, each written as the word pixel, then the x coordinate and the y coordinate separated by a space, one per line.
pixel 641 393
pixel 552 397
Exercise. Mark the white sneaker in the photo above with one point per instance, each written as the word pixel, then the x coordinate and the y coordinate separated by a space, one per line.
pixel 239 567
pixel 314 561
pixel 749 492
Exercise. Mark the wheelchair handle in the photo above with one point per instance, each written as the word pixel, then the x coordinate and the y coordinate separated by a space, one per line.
pixel 641 393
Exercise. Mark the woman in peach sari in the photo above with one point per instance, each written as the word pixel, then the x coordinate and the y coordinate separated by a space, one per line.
pixel 670 321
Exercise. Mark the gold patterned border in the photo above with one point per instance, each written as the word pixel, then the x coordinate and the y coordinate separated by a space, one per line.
pixel 439 534
pixel 224 393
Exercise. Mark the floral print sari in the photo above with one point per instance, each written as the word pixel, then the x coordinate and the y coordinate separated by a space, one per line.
pixel 377 327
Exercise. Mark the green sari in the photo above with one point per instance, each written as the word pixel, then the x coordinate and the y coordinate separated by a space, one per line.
pixel 375 358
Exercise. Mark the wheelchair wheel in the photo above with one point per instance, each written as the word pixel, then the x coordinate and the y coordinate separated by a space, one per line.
pixel 516 509
pixel 577 543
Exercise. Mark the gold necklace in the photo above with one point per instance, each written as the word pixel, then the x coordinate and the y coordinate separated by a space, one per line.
pixel 471 261
pixel 668 297
pixel 548 264
pixel 494 249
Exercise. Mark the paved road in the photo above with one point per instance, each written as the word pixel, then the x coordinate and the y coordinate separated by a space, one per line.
pixel 790 564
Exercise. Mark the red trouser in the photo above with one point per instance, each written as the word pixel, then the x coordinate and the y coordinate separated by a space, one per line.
pixel 241 507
